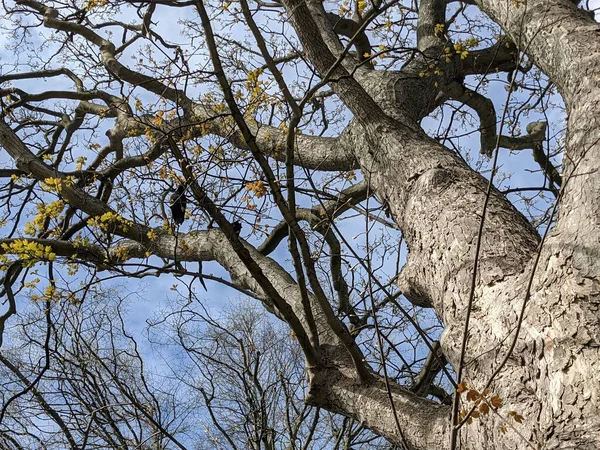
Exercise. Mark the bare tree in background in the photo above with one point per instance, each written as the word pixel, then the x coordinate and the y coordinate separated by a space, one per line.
pixel 235 387
pixel 92 390
pixel 302 119
pixel 249 374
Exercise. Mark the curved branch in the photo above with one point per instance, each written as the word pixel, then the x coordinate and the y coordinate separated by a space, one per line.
pixel 501 57
pixel 486 111
pixel 536 132
pixel 351 29
pixel 44 74
pixel 424 423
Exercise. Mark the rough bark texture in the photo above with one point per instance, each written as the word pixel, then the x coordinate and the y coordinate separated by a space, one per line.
pixel 550 378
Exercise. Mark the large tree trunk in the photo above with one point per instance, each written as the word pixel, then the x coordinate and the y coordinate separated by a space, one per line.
pixel 549 378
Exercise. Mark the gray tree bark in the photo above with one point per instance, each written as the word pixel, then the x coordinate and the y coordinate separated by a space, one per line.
pixel 550 377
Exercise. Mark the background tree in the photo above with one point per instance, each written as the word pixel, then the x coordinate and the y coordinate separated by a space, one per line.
pixel 295 117
pixel 99 393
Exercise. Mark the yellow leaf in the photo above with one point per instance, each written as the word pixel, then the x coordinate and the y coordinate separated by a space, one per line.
pixel 496 401
pixel 472 395
pixel 516 416
pixel 362 4
pixel 462 387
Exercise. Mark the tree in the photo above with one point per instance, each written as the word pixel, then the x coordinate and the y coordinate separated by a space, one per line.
pixel 75 378
pixel 251 381
pixel 99 393
pixel 255 120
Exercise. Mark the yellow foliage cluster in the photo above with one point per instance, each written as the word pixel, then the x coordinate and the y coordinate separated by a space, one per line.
pixel 80 242
pixel 258 95
pixel 150 134
pixel 28 252
pixel 202 129
pixel 50 293
pixel 471 42
pixel 121 253
pixel 44 211
pixel 132 132
pixel 361 5
pixel 159 118
pixel 258 188
pixel 56 184
pixel 108 220
pixel 349 176
pixel 217 151
pixel 253 77
pixel 344 8
pixel 80 161
pixel 439 29
pixel 460 48
pixel 91 4
pixel 31 283
pixel 72 268
pixel 15 178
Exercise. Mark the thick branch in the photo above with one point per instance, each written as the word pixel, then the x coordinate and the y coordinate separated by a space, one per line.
pixel 423 422
pixel 431 13
pixel 562 40
pixel 349 28
pixel 501 57
pixel 536 131
pixel 311 152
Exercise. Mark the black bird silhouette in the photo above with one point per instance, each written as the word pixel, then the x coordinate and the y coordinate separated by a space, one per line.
pixel 178 203
pixel 237 227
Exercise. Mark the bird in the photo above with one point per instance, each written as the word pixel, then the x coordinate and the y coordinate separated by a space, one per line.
pixel 178 204
pixel 237 227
